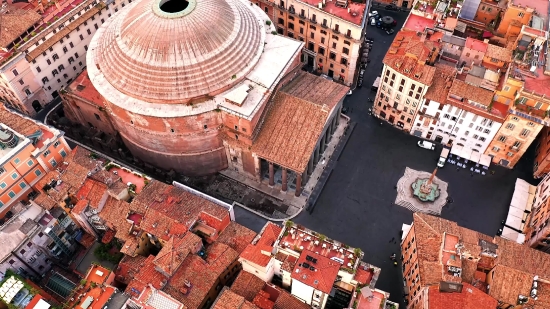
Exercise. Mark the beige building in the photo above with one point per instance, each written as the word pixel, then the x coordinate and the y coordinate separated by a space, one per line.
pixel 331 30
pixel 407 74
pixel 51 55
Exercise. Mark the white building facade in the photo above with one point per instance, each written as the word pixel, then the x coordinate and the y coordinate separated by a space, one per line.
pixel 448 124
pixel 54 57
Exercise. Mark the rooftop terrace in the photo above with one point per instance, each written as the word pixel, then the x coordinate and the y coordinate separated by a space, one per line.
pixel 355 14
pixel 298 239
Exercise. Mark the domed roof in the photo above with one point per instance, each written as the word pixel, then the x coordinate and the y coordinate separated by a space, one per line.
pixel 159 51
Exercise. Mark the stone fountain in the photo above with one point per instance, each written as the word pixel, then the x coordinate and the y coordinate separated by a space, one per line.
pixel 421 191
pixel 424 189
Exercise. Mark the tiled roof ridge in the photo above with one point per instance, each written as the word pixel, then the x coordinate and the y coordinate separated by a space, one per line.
pixel 426 223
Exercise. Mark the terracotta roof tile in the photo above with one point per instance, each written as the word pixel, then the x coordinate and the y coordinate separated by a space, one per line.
pixel 408 55
pixel 231 300
pixel 469 298
pixel 147 274
pixel 439 89
pixel 247 285
pixel 93 191
pixel 219 257
pixel 128 268
pixel 201 279
pixel 471 92
pixel 115 213
pixel 322 277
pixel 499 53
pixel 236 236
pixel 14 22
pixel 296 120
pixel 509 283
pixel 20 124
pixel 165 205
pixel 287 301
pixel 175 251
pixel 363 276
pixel 253 252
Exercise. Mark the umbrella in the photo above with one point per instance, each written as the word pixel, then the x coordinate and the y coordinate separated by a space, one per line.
pixel 387 20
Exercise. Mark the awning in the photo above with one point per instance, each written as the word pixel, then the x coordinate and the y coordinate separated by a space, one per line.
pixel 466 153
pixel 456 150
pixel 514 222
pixel 485 160
pixel 475 157
pixel 512 235
pixel 487 34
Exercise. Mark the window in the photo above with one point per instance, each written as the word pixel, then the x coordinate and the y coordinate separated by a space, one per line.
pixel 502 138
pixel 28 92
pixel 525 132
pixel 344 61
pixel 16 161
pixel 21 82
pixel 14 175
pixel 506 88
pixel 332 56
pixel 95 26
pixel 65 49
pixel 482 139
pixel 81 37
pixel 321 50
pixel 3 185
pixel 510 126
pixel 64 154
pixel 71 44
pixel 516 145
pixel 48 61
pixel 38 69
pixel 530 124
pixel 47 153
pixel 89 31
pixel 37 172
pixel 11 194
pixel 521 14
pixel 76 55
pixel 23 185
pixel 510 154
pixel 55 57
pixel 97 116
pixel 61 67
pixel 496 149
pixel 54 72
pixel 15 73
pixel 30 162
pixel 71 60
pixel 486 131
pixel 53 162
pixel 312 35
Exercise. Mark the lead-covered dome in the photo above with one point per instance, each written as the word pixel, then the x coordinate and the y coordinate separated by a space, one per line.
pixel 172 51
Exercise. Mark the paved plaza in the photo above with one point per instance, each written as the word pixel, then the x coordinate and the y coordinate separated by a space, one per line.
pixel 357 204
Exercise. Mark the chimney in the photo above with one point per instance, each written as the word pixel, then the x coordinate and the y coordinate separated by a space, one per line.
pixel 320 5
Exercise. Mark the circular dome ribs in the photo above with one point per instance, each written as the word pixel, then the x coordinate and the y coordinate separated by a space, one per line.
pixel 190 66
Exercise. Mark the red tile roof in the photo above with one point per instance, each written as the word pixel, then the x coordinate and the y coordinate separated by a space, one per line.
pixel 231 300
pixel 439 90
pixel 323 275
pixel 14 22
pixel 296 120
pixel 253 252
pixel 469 298
pixel 147 274
pixel 128 268
pixel 247 285
pixel 92 191
pixel 474 44
pixel 236 236
pixel 354 16
pixel 418 23
pixel 170 211
pixel 175 251
pixel 363 276
pixel 219 257
pixel 409 54
pixel 471 92
pixel 115 213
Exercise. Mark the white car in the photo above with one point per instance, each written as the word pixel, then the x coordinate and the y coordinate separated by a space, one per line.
pixel 373 13
pixel 441 162
pixel 426 145
pixel 373 21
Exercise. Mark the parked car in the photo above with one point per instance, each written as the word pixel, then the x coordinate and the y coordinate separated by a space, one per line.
pixel 389 31
pixel 349 92
pixel 344 110
pixel 326 77
pixel 443 157
pixel 391 8
pixel 426 145
pixel 372 21
pixel 373 13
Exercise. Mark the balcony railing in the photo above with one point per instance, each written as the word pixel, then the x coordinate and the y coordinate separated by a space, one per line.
pixel 324 25
pixel 313 21
pixel 336 31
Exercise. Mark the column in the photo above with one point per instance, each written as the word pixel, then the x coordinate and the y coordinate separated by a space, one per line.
pixel 298 185
pixel 338 116
pixel 310 165
pixel 285 181
pixel 258 166
pixel 327 138
pixel 271 175
pixel 316 154
pixel 323 143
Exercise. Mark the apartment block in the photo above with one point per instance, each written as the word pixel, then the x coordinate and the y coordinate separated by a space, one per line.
pixel 332 31
pixel 448 266
pixel 49 54
pixel 321 272
pixel 408 72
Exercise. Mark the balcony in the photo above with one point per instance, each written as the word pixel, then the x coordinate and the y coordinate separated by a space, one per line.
pixel 324 25
pixel 530 110
pixel 336 31
pixel 348 35
pixel 302 16
pixel 313 21
pixel 513 148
